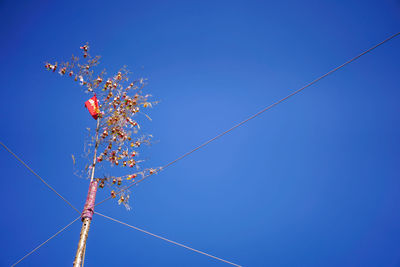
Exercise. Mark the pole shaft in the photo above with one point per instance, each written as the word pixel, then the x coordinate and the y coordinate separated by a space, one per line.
pixel 82 242
pixel 88 209
pixel 95 148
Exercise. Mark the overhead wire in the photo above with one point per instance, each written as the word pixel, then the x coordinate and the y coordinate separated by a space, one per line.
pixel 38 176
pixel 168 240
pixel 258 113
pixel 187 154
pixel 36 248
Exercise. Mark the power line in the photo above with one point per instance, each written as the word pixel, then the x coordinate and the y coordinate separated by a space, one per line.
pixel 37 175
pixel 45 241
pixel 260 112
pixel 165 239
pixel 187 154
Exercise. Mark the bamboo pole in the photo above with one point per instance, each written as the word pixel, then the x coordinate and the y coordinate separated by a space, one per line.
pixel 88 208
pixel 82 242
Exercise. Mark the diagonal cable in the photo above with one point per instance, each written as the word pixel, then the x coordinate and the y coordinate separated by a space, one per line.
pixel 170 241
pixel 260 112
pixel 65 227
pixel 40 178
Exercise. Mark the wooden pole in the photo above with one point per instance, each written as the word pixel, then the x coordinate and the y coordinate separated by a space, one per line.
pixel 82 242
pixel 88 209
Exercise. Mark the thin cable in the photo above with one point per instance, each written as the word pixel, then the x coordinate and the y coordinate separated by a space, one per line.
pixel 260 112
pixel 170 241
pixel 41 179
pixel 281 100
pixel 46 241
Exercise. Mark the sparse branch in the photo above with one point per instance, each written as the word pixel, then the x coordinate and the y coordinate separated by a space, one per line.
pixel 118 136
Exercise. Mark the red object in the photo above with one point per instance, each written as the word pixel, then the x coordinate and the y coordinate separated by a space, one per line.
pixel 93 106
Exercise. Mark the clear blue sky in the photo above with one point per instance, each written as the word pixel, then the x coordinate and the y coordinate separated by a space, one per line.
pixel 313 182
